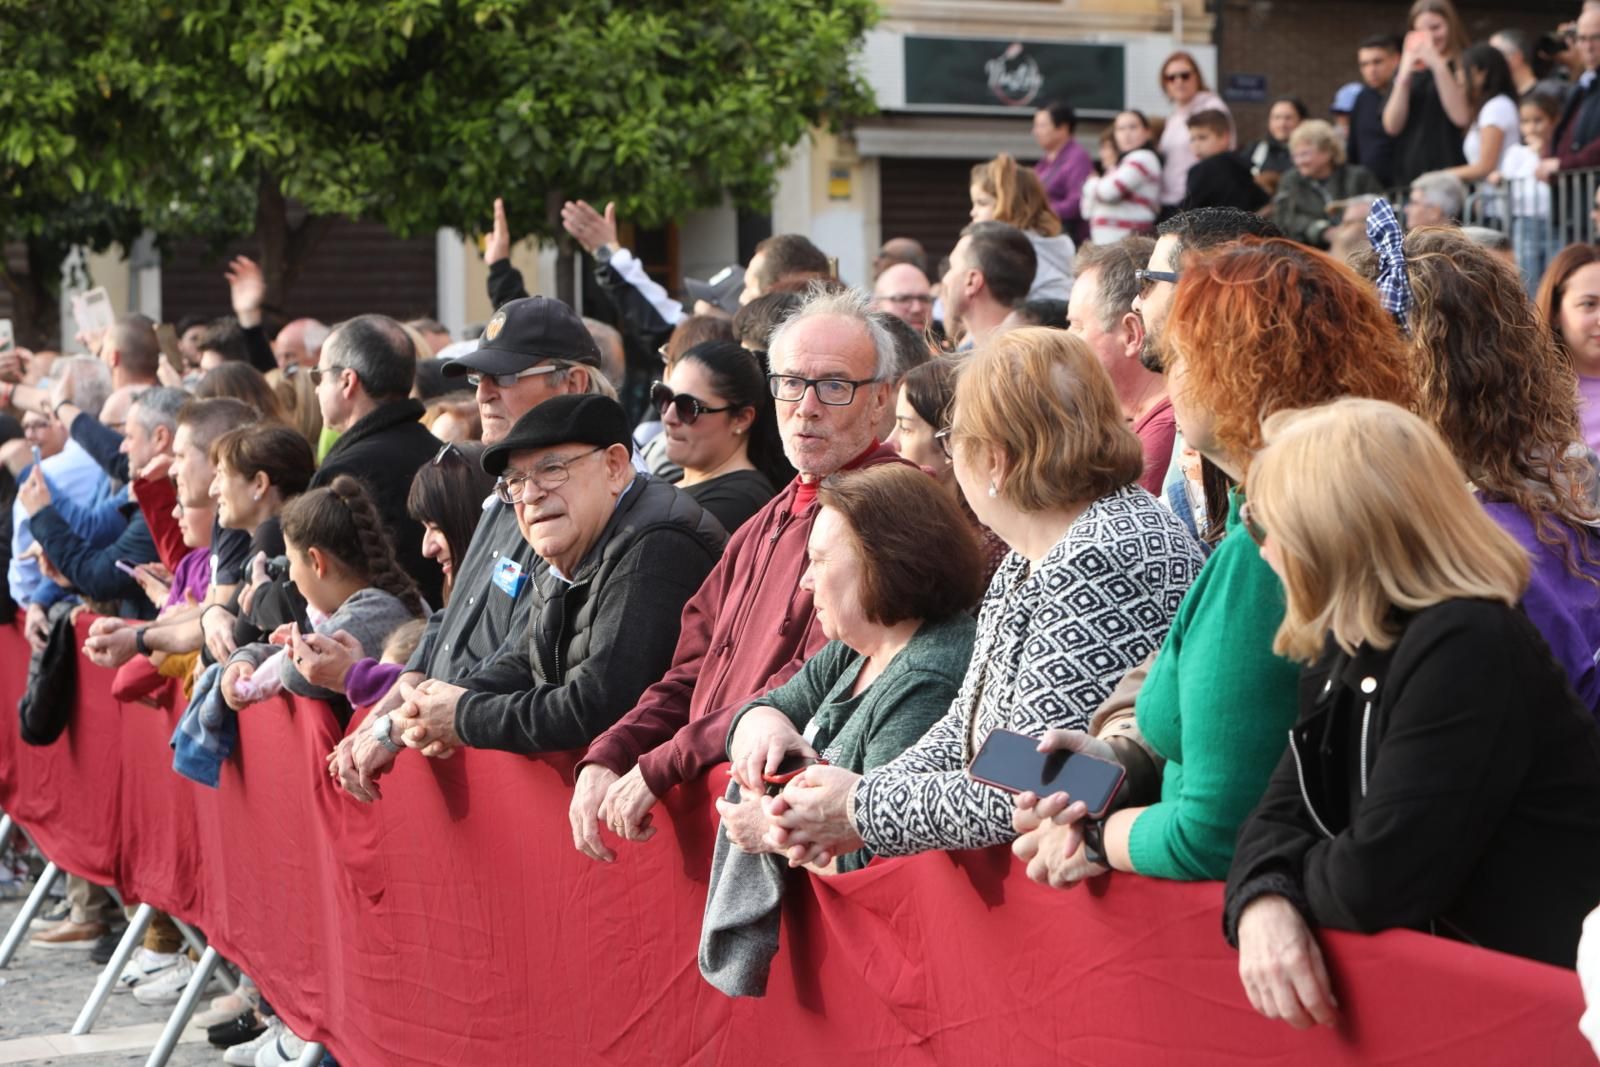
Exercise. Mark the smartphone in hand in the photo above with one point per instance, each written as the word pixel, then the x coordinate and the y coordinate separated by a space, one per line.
pixel 1013 762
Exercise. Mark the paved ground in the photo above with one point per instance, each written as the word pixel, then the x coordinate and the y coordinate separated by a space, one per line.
pixel 42 994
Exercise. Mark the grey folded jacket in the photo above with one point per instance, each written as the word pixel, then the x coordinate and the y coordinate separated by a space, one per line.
pixel 739 935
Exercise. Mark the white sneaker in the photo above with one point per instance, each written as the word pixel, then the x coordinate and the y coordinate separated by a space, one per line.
pixel 245 1055
pixel 166 989
pixel 285 1050
pixel 144 966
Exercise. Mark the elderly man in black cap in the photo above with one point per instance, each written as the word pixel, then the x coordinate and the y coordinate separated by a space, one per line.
pixel 623 552
pixel 531 350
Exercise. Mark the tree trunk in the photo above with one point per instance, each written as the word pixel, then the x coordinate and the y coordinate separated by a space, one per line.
pixel 283 247
pixel 33 297
pixel 566 253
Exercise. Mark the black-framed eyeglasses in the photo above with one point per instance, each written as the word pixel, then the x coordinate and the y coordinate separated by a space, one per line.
pixel 908 298
pixel 444 450
pixel 549 475
pixel 689 408
pixel 317 372
pixel 942 438
pixel 506 381
pixel 835 392
pixel 1147 279
pixel 1247 518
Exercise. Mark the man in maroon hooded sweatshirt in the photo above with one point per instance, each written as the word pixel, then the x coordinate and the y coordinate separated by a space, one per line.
pixel 750 626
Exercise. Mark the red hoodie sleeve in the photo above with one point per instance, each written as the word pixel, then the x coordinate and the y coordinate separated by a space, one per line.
pixel 157 498
pixel 664 707
pixel 703 742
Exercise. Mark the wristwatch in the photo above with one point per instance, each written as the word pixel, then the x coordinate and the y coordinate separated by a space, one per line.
pixel 602 255
pixel 381 733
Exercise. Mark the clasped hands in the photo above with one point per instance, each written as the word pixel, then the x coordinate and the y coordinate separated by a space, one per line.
pixel 1050 828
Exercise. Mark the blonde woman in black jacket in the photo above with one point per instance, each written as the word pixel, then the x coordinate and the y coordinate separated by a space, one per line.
pixel 1442 775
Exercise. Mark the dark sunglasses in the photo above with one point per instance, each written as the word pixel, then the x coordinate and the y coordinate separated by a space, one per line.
pixel 1147 279
pixel 689 408
pixel 1179 76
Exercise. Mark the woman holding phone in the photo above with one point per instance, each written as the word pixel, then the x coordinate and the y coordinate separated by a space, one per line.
pixel 1097 569
pixel 1441 776
pixel 1428 109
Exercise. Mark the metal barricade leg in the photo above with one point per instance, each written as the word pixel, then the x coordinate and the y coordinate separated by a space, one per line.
pixel 311 1056
pixel 113 970
pixel 30 908
pixel 198 943
pixel 185 1009
pixel 6 826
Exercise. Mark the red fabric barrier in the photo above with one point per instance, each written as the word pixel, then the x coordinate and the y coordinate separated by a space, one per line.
pixel 453 923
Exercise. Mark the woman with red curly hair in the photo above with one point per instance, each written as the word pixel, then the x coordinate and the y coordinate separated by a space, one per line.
pixel 1258 327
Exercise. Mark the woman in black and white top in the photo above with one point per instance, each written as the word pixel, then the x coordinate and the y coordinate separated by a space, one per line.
pixel 1096 572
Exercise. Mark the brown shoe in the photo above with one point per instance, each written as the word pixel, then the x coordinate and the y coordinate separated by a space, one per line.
pixel 68 934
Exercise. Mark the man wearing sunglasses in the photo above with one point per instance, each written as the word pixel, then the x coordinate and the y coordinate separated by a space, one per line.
pixel 750 626
pixel 531 350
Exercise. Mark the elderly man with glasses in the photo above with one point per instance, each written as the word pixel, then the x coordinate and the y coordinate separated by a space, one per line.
pixel 531 350
pixel 751 625
pixel 622 553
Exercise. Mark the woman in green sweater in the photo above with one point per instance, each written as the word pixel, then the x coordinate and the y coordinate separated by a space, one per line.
pixel 894 570
pixel 1258 327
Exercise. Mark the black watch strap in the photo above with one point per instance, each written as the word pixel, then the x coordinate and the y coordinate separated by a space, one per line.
pixel 138 641
pixel 1094 847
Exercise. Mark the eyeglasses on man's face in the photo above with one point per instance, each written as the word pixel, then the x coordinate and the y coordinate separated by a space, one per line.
pixel 317 373
pixel 902 299
pixel 506 381
pixel 835 392
pixel 548 475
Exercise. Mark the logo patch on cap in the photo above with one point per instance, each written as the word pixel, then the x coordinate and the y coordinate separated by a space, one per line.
pixel 491 331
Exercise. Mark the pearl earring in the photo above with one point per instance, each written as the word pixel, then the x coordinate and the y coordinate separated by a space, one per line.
pixel 992 490
pixel 255 496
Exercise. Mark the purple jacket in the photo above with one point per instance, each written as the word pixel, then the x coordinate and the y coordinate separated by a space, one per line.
pixel 1563 606
pixel 369 681
pixel 1063 179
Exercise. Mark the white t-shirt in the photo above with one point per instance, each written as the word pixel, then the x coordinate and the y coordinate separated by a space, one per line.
pixel 1502 112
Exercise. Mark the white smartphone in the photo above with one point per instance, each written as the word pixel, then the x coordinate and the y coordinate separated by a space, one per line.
pixel 8 339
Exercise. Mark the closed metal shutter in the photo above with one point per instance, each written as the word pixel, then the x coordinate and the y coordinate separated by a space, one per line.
pixel 926 199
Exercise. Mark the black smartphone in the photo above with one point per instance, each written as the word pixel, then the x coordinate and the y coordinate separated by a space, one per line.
pixel 1011 761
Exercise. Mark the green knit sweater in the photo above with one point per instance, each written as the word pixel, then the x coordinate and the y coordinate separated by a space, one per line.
pixel 1218 705
pixel 871 728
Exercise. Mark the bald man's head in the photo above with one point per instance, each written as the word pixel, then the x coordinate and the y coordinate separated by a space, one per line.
pixel 905 292
pixel 900 250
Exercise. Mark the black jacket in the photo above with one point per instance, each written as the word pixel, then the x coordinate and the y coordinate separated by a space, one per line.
pixel 1223 181
pixel 592 647
pixel 1369 144
pixel 1450 784
pixel 384 450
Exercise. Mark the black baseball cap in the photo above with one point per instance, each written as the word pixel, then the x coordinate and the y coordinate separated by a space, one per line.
pixel 568 419
pixel 526 332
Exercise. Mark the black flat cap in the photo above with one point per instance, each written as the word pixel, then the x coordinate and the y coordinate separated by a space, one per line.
pixel 568 419
pixel 525 332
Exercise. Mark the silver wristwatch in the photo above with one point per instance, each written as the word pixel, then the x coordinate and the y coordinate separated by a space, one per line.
pixel 381 733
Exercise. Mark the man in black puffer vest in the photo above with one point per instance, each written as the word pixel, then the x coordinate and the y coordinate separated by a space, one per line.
pixel 625 552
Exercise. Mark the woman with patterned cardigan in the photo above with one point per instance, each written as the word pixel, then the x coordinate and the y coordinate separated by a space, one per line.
pixel 1096 571
pixel 1258 327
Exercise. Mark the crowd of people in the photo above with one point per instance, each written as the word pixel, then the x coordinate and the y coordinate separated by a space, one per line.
pixel 1300 530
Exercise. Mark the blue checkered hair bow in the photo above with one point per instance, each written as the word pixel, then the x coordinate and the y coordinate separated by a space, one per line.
pixel 1388 240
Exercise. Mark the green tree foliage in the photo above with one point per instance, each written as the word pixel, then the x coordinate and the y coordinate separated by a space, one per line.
pixel 218 116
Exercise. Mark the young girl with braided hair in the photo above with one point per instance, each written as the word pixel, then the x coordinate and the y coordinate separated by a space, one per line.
pixel 341 560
